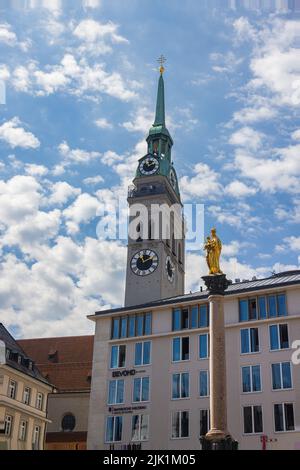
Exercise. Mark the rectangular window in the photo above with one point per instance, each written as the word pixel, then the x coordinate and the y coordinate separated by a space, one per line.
pixel 279 338
pixel 249 340
pixel 23 430
pixel 39 401
pixel 8 425
pixel 194 316
pixel 252 309
pixel 142 353
pixel 180 386
pixel 253 422
pixel 281 376
pixel 115 328
pixel 180 424
pixel 141 389
pixel 262 307
pixel 114 426
pixel 251 379
pixel 272 306
pixel 204 346
pixel 124 327
pixel 204 422
pixel 131 326
pixel 185 319
pixel 36 438
pixel 204 321
pixel 148 324
pixel 243 307
pixel 140 428
pixel 181 349
pixel 203 383
pixel 284 417
pixel 118 355
pixel 176 326
pixel 139 325
pixel 281 305
pixel 12 389
pixel 116 392
pixel 26 395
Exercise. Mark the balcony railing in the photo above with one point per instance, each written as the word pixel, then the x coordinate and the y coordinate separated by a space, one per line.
pixel 150 190
pixel 131 446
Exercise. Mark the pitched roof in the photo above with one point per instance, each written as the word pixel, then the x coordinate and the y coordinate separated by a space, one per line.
pixel 65 361
pixel 18 359
pixel 283 279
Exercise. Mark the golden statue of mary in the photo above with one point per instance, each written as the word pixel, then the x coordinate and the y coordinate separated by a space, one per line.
pixel 213 247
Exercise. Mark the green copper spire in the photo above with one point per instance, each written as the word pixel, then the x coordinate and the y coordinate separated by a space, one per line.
pixel 160 104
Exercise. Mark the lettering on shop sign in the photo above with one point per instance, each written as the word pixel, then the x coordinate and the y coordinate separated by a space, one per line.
pixel 126 373
pixel 124 410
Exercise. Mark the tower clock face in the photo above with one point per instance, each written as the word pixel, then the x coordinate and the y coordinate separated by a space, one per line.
pixel 149 166
pixel 170 269
pixel 173 178
pixel 144 262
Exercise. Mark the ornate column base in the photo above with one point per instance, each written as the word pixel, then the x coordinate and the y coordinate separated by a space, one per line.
pixel 216 440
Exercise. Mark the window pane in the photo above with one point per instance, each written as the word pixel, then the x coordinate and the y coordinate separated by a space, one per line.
pixel 120 391
pixel 123 327
pixel 246 379
pixel 256 382
pixel 175 424
pixel 136 389
pixel 281 305
pixel 278 417
pixel 254 339
pixel 135 428
pixel 286 375
pixel 184 424
pixel 185 318
pixel 203 422
pixel 274 341
pixel 262 307
pixel 147 352
pixel 114 357
pixel 203 316
pixel 284 337
pixel 243 310
pixel 140 325
pixel 115 328
pixel 252 309
pixel 118 428
pixel 109 429
pixel 176 349
pixel 194 316
pixel 144 427
pixel 185 385
pixel 203 383
pixel 131 326
pixel 145 388
pixel 257 415
pixel 122 353
pixel 272 306
pixel 176 319
pixel 248 420
pixel 203 346
pixel 276 376
pixel 289 417
pixel 176 386
pixel 148 323
pixel 138 354
pixel 244 341
pixel 185 349
pixel 112 392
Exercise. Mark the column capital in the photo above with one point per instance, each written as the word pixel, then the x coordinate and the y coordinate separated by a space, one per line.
pixel 216 283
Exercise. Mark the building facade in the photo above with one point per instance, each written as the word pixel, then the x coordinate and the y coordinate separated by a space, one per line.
pixel 23 398
pixel 151 380
pixel 67 363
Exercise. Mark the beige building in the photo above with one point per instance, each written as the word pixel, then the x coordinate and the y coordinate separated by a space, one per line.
pixel 23 398
pixel 67 363
pixel 151 369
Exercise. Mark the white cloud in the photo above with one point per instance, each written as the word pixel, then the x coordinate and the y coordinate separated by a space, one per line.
pixel 90 31
pixel 204 184
pixel 93 180
pixel 35 170
pixel 91 3
pixel 246 137
pixel 254 114
pixel 142 120
pixel 225 63
pixel 103 123
pixel 7 35
pixel 244 30
pixel 15 136
pixel 61 192
pixel 239 189
pixel 110 158
pixel 83 209
pixel 76 155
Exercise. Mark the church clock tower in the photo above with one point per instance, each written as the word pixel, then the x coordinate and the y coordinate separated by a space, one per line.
pixel 156 252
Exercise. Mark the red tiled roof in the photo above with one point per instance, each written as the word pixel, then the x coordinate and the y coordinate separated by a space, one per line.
pixel 65 361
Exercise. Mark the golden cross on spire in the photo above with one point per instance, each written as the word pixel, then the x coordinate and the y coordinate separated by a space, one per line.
pixel 161 60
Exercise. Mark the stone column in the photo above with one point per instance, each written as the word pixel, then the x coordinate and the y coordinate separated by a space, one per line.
pixel 218 437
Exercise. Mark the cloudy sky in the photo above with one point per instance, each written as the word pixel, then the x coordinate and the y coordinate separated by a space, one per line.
pixel 80 83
